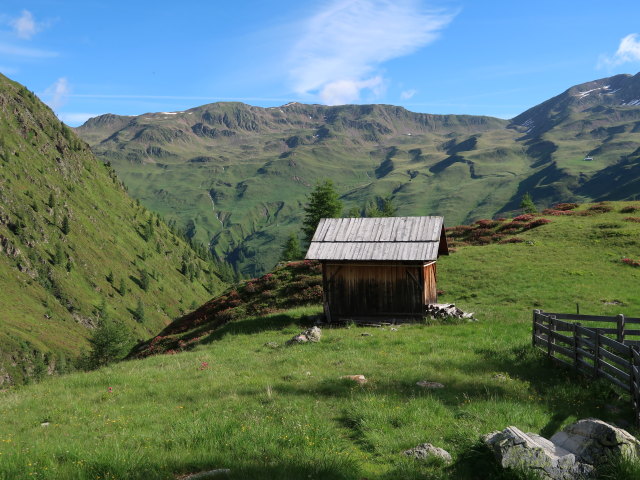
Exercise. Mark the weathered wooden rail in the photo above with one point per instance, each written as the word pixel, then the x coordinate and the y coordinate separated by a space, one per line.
pixel 591 349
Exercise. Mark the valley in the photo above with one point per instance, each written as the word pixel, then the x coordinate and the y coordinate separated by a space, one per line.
pixel 257 165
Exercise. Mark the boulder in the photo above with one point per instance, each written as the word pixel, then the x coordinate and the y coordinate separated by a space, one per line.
pixel 574 452
pixel 425 451
pixel 595 441
pixel 516 449
pixel 313 334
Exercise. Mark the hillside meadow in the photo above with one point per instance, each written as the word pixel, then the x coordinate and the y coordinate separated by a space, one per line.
pixel 241 399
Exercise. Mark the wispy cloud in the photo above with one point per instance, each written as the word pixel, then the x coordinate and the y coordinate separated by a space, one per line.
pixel 57 94
pixel 407 94
pixel 628 51
pixel 7 49
pixel 344 44
pixel 25 25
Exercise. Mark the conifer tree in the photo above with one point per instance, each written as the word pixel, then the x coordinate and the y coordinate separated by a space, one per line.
pixel 138 313
pixel 527 204
pixel 65 225
pixel 291 250
pixel 323 202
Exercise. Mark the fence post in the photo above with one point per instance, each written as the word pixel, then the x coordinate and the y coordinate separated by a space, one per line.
pixel 620 327
pixel 596 355
pixel 551 340
pixel 575 345
pixel 535 329
pixel 635 383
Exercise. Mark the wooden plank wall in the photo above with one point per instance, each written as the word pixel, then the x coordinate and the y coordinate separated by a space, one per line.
pixel 430 289
pixel 374 290
pixel 590 350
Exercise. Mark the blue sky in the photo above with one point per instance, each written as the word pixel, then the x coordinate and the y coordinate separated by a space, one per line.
pixel 476 57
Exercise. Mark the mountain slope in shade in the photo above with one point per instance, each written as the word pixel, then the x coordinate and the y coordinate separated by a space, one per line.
pixel 238 176
pixel 74 247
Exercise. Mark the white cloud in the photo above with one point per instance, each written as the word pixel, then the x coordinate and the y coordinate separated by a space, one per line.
pixel 341 92
pixel 345 43
pixel 407 94
pixel 628 51
pixel 76 118
pixel 25 26
pixel 57 94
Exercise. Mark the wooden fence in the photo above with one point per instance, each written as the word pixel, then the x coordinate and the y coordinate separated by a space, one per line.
pixel 591 349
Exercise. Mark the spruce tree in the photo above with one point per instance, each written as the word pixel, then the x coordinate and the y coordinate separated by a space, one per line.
pixel 65 225
pixel 291 250
pixel 145 280
pixel 323 202
pixel 527 204
pixel 138 313
pixel 109 342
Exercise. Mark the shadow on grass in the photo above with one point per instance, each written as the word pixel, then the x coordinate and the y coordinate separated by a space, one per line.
pixel 257 325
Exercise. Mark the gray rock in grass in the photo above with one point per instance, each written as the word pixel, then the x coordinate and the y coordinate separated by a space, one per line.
pixel 426 451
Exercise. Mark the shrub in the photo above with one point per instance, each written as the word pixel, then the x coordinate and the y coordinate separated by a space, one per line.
pixel 565 206
pixel 600 208
pixel 629 209
pixel 556 213
pixel 484 223
pixel 536 223
pixel 631 262
pixel 512 240
pixel 523 218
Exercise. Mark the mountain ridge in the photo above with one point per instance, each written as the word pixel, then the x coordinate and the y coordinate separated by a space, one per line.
pixel 237 175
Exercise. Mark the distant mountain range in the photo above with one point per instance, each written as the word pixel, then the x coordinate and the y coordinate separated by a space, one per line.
pixel 237 176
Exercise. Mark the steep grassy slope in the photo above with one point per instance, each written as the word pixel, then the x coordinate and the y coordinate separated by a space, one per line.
pixel 242 400
pixel 74 247
pixel 237 175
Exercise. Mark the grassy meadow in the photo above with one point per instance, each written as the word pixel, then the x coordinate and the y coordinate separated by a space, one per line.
pixel 241 399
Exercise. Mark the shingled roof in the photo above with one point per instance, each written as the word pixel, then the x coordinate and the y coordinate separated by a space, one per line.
pixel 390 238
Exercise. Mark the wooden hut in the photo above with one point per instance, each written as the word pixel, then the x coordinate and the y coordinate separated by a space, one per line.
pixel 378 268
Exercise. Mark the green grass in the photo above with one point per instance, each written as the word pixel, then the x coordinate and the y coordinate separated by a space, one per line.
pixel 50 301
pixel 285 412
pixel 237 402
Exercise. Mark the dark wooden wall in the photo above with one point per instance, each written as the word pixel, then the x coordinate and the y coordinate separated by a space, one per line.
pixel 378 290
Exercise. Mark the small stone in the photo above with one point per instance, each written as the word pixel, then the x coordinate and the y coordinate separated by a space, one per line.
pixel 427 384
pixel 425 451
pixel 271 344
pixel 45 424
pixel 359 379
pixel 220 472
pixel 393 329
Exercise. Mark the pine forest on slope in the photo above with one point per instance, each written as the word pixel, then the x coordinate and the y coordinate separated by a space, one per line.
pixel 237 176
pixel 75 249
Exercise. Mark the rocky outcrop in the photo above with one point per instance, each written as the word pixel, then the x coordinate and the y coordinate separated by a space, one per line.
pixel 572 453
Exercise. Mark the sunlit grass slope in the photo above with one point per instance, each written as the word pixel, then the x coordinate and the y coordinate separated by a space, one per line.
pixel 74 247
pixel 243 400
